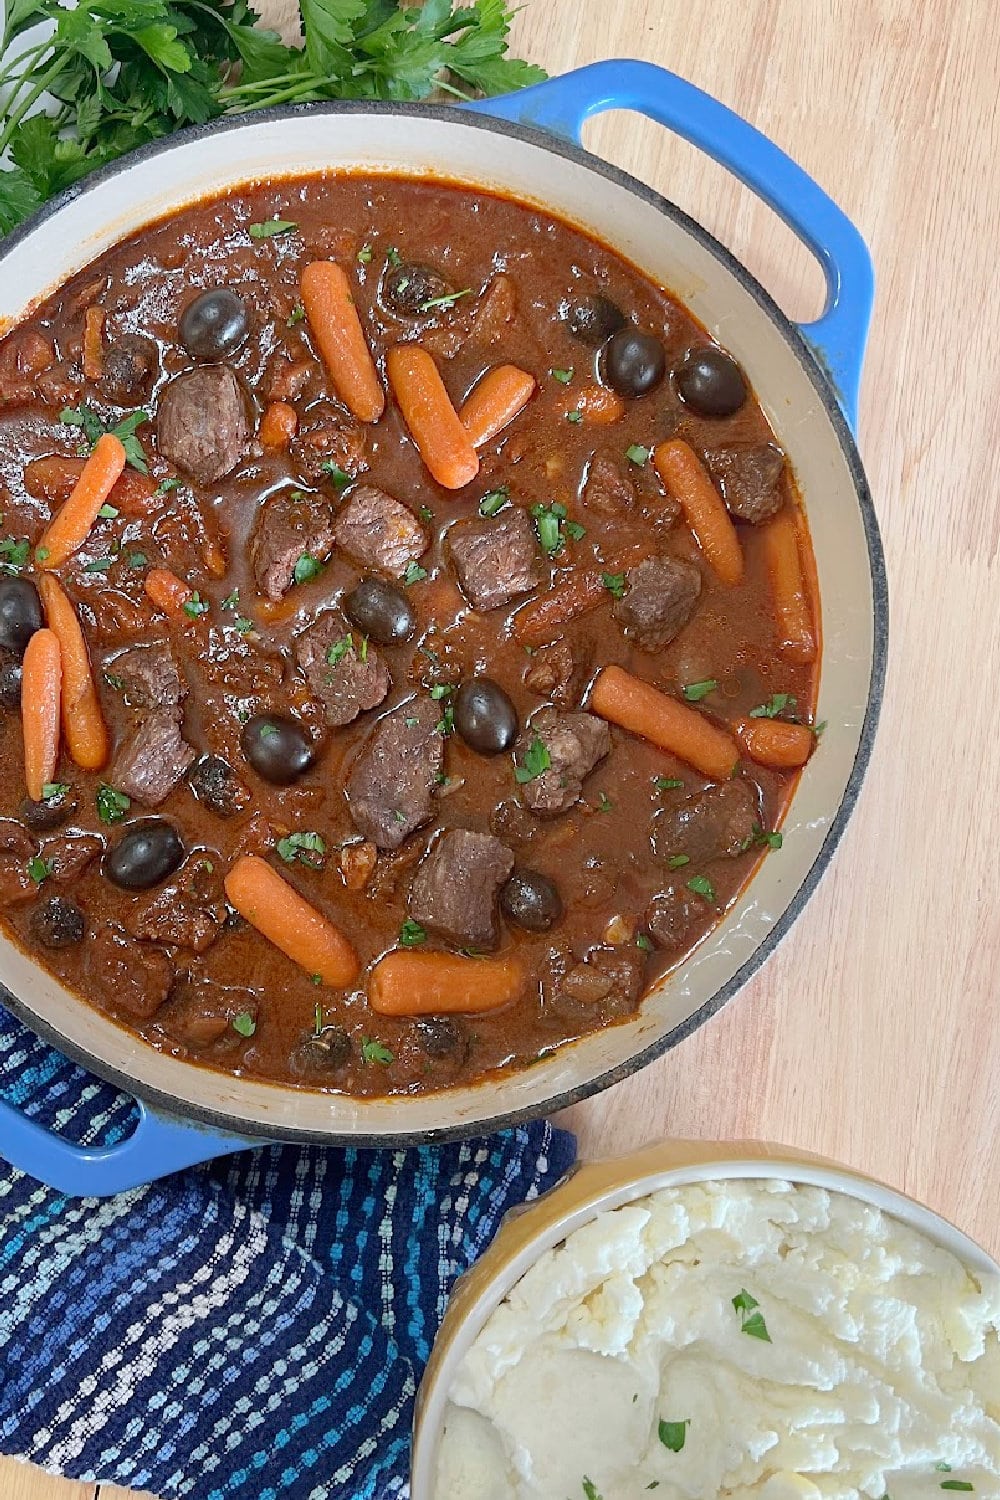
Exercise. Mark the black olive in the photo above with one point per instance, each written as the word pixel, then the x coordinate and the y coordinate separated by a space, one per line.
pixel 530 900
pixel 10 684
pixel 594 319
pixel 278 748
pixel 129 365
pixel 632 362
pixel 407 289
pixel 323 1051
pixel 711 382
pixel 441 1037
pixel 147 852
pixel 57 923
pixel 20 613
pixel 485 717
pixel 214 325
pixel 49 813
pixel 217 786
pixel 381 610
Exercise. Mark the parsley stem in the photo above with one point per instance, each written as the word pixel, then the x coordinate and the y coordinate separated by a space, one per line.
pixel 49 76
pixel 16 66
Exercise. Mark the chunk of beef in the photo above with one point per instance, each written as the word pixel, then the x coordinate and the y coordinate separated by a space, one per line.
pixel 379 531
pixel 672 917
pixel 68 856
pixel 17 847
pixel 454 892
pixel 190 912
pixel 15 840
pixel 201 1013
pixel 149 677
pixel 152 759
pixel 750 480
pixel 575 743
pixel 553 672
pixel 609 977
pixel 357 864
pixel 660 598
pixel 718 823
pixel 348 679
pixel 125 975
pixel 201 423
pixel 289 378
pixel 128 367
pixel 290 526
pixel 496 559
pixel 607 491
pixel 495 309
pixel 390 788
pixel 328 434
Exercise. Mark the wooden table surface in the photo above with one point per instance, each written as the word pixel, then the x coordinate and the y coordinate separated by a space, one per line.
pixel 872 1034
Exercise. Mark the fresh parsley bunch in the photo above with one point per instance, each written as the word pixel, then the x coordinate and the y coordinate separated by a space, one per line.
pixel 124 72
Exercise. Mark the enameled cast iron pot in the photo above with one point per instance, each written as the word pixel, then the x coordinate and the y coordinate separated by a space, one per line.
pixel 524 145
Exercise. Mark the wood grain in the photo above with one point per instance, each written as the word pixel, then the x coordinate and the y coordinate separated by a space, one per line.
pixel 872 1034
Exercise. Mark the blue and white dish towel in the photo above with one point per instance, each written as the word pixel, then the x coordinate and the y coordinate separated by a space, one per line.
pixel 253 1329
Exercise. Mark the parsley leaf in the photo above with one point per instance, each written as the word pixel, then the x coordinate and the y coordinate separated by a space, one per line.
pixel 751 1320
pixel 372 1051
pixel 553 527
pixel 93 428
pixel 678 861
pixel 536 760
pixel 307 848
pixel 339 650
pixel 414 573
pixel 563 376
pixel 695 691
pixel 574 416
pixel 494 500
pixel 958 1484
pixel 13 554
pixel 667 783
pixel 112 805
pixel 195 606
pixel 307 568
pixel 296 315
pixel 54 789
pixel 777 704
pixel 364 255
pixel 338 476
pixel 39 869
pixel 672 1434
pixel 448 300
pixel 637 455
pixel 244 1024
pixel 702 886
pixel 615 584
pixel 590 1489
pixel 644 942
pixel 271 228
pixel 411 934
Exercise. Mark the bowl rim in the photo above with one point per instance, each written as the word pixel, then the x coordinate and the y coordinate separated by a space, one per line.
pixel 829 402
pixel 605 1185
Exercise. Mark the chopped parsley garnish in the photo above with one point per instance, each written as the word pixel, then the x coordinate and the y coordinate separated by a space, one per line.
pixel 166 485
pixel 446 724
pixel 637 455
pixel 13 554
pixel 751 1319
pixel 53 789
pixel 137 560
pixel 604 804
pixel 195 606
pixel 372 1051
pixel 244 1023
pixel 553 527
pixel 339 650
pixel 108 512
pixel 39 869
pixel 112 805
pixel 644 942
pixel 615 584
pixel 306 568
pixel 695 691
pixel 678 861
pixel 98 565
pixel 41 554
pixel 942 1467
pixel 574 416
pixel 317 1013
pixel 448 300
pixel 269 731
pixel 494 500
pixel 115 682
pixel 667 783
pixel 590 1489
pixel 93 428
pixel 575 531
pixel 414 573
pixel 817 729
pixel 296 315
pixel 672 1434
pixel 441 690
pixel 399 816
pixel 563 376
pixel 243 625
pixel 231 601
pixel 425 513
pixel 307 848
pixel 702 886
pixel 411 934
pixel 536 760
pixel 335 473
pixel 270 228
pixel 393 257
pixel 364 256
pixel 773 839
pixel 777 704
pixel 958 1484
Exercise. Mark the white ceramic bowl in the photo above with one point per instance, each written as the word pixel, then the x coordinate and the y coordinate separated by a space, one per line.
pixel 602 1186
pixel 807 419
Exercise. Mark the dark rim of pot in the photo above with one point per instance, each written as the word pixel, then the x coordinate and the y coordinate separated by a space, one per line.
pixel 558 146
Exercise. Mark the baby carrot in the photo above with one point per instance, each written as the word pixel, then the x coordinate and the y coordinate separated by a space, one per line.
pixel 796 636
pixel 643 709
pixel 542 619
pixel 82 720
pixel 70 528
pixel 287 920
pixel 340 338
pixel 168 592
pixel 278 425
pixel 773 742
pixel 434 424
pixel 495 402
pixel 687 479
pixel 41 690
pixel 598 406
pixel 433 984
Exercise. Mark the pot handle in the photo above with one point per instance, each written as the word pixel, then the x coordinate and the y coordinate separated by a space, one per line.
pixel 158 1146
pixel 562 105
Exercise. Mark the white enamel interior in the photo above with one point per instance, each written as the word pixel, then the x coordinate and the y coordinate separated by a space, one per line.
pixel 455 1342
pixel 459 149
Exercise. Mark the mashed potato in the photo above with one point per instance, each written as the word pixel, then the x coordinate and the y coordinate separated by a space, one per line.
pixel 736 1339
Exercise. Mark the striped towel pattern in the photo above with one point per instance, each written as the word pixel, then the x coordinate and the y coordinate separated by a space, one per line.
pixel 248 1330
